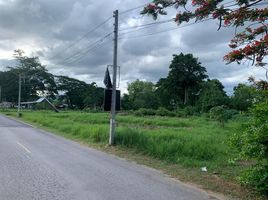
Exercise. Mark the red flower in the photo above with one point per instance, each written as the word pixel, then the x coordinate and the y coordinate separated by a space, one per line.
pixel 248 50
pixel 205 3
pixel 227 22
pixel 266 38
pixel 257 43
pixel 215 15
pixel 151 6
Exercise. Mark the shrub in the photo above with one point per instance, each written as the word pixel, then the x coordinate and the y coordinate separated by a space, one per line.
pixel 230 113
pixel 145 112
pixel 187 111
pixel 252 143
pixel 164 112
pixel 219 114
pixel 190 110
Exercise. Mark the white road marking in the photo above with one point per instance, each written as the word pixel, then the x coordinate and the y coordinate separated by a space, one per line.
pixel 22 146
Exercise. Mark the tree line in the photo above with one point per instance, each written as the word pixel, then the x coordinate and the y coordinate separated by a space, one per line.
pixel 188 85
pixel 36 81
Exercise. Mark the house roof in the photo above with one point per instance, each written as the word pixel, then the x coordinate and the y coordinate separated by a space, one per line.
pixel 40 100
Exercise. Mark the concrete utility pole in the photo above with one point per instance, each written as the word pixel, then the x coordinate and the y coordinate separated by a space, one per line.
pixel 18 113
pixel 113 106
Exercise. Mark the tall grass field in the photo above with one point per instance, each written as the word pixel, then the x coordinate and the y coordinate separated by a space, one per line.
pixel 190 142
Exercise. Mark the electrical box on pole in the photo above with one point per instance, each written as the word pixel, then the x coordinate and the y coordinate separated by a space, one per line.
pixel 113 106
pixel 107 100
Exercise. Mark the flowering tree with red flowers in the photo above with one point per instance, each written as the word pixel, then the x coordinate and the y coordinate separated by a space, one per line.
pixel 249 15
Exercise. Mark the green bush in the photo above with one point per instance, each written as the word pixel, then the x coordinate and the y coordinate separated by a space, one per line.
pixel 252 143
pixel 230 113
pixel 145 112
pixel 219 114
pixel 164 112
pixel 190 110
pixel 150 112
pixel 187 111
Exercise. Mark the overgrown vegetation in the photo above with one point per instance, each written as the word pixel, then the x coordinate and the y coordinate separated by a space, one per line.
pixel 252 143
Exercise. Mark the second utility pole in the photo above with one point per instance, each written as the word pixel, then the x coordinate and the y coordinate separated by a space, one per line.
pixel 113 106
pixel 19 97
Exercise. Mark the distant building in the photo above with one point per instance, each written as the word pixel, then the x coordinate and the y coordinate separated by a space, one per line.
pixel 6 105
pixel 41 103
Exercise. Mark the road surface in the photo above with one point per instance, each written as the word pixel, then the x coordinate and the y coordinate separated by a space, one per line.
pixel 36 165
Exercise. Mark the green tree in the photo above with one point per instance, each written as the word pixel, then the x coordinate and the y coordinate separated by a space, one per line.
pixel 36 81
pixel 252 143
pixel 212 94
pixel 219 114
pixel 9 83
pixel 94 96
pixel 74 90
pixel 126 102
pixel 141 94
pixel 166 98
pixel 185 77
pixel 243 97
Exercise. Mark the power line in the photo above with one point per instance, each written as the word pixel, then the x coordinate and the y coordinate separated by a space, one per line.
pixel 84 36
pixel 87 52
pixel 149 24
pixel 82 52
pixel 135 8
pixel 77 56
pixel 153 33
pixel 143 27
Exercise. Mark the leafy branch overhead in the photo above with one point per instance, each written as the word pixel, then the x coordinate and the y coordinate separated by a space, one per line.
pixel 250 16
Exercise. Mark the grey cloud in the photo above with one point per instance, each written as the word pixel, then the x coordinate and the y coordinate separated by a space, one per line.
pixel 5 63
pixel 51 26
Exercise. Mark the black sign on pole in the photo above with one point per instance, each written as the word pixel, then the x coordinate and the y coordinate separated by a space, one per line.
pixel 108 100
pixel 107 80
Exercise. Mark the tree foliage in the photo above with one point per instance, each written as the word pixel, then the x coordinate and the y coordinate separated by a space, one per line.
pixel 36 80
pixel 246 95
pixel 243 97
pixel 252 144
pixel 250 16
pixel 219 113
pixel 212 94
pixel 94 97
pixel 141 94
pixel 184 79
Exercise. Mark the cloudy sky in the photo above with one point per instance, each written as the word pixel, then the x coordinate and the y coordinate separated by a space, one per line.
pixel 52 30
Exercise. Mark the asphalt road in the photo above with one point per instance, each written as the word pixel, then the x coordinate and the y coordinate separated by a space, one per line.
pixel 36 165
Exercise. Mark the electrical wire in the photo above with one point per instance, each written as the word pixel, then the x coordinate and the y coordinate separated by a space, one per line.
pixel 154 33
pixel 149 24
pixel 82 37
pixel 77 56
pixel 87 52
pixel 135 8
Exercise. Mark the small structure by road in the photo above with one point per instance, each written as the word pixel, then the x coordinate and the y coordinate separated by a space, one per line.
pixel 42 102
pixel 6 105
